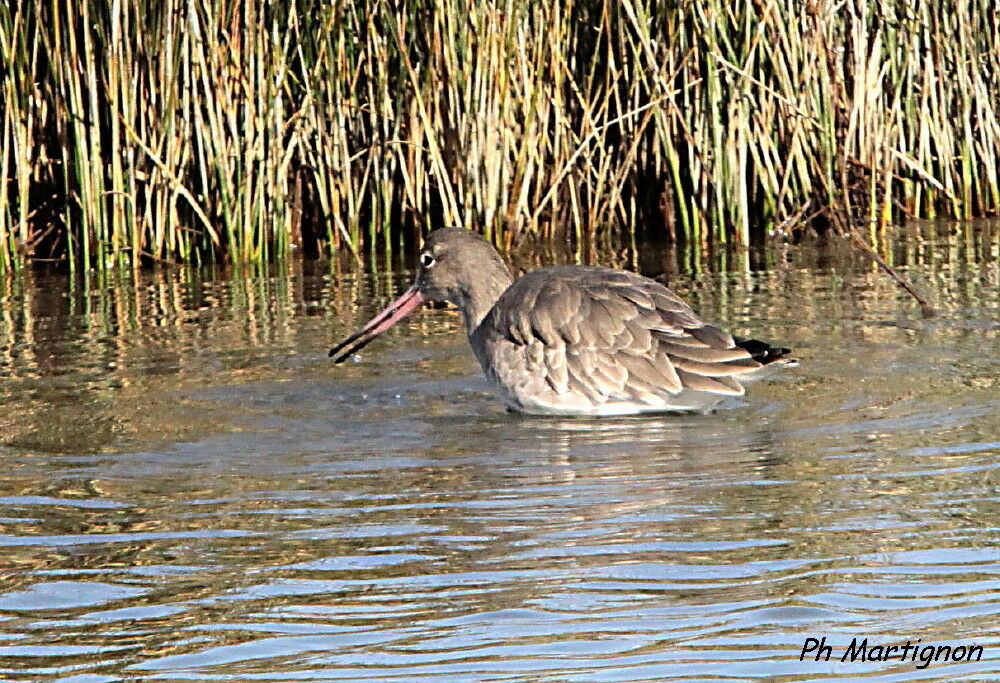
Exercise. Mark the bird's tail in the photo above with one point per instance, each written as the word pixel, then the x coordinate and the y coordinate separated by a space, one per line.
pixel 764 353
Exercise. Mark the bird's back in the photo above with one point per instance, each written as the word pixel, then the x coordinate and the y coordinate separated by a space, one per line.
pixel 593 340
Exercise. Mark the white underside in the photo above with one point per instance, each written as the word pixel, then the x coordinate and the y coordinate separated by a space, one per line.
pixel 686 401
pixel 604 411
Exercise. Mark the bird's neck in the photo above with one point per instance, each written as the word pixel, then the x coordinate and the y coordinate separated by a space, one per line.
pixel 478 300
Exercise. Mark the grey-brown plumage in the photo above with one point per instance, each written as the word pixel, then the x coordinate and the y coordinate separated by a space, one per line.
pixel 579 340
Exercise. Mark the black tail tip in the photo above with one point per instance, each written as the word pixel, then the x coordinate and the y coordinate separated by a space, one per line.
pixel 762 352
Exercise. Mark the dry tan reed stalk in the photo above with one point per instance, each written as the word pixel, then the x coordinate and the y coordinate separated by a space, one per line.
pixel 243 129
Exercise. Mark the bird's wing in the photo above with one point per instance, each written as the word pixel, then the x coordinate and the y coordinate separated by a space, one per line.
pixel 614 335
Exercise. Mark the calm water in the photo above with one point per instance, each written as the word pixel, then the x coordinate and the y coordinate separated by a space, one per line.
pixel 190 490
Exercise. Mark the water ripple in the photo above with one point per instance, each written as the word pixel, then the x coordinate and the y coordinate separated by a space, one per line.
pixel 200 495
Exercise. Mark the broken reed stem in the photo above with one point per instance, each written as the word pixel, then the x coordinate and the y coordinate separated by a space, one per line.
pixel 926 309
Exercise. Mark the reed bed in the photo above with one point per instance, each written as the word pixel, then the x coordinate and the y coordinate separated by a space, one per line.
pixel 138 130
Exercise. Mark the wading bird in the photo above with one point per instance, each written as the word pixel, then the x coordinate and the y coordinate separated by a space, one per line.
pixel 576 340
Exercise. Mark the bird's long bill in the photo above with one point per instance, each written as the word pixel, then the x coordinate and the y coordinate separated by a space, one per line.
pixel 393 313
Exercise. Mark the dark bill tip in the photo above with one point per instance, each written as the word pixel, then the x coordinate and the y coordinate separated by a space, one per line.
pixel 409 301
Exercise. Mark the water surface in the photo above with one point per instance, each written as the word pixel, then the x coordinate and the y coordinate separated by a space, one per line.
pixel 190 490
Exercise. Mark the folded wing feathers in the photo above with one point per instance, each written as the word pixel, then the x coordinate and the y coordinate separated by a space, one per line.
pixel 658 376
pixel 704 354
pixel 638 296
pixel 612 335
pixel 736 367
pixel 607 368
pixel 642 336
pixel 715 385
pixel 712 336
pixel 556 373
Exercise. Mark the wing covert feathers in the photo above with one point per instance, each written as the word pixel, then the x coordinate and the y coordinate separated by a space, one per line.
pixel 606 335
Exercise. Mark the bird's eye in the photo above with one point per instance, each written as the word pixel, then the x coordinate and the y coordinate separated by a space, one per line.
pixel 426 260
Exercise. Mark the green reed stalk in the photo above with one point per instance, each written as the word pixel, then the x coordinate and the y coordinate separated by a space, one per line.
pixel 134 131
